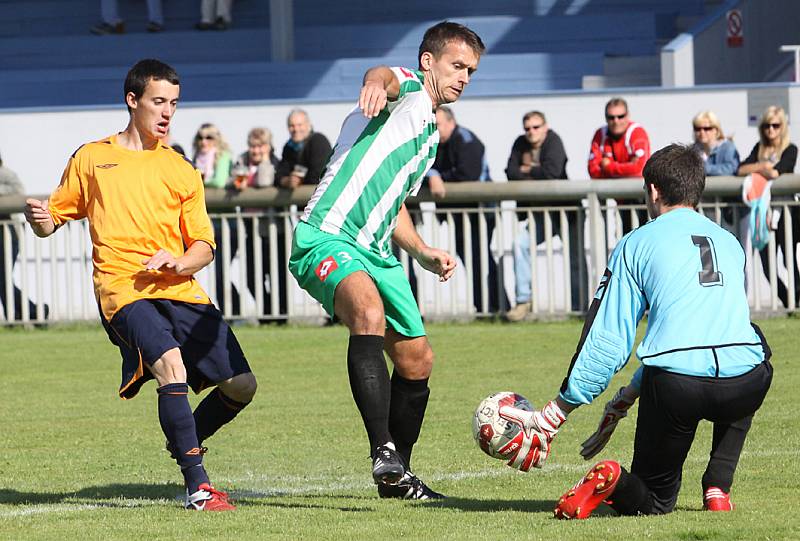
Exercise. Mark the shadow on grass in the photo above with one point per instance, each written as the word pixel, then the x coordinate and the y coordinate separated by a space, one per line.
pixel 287 505
pixel 131 491
pixel 484 506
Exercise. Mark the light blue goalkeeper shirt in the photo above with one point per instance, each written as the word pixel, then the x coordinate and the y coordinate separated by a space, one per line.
pixel 690 272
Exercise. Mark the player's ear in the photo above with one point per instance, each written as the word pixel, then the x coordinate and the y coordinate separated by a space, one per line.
pixel 130 100
pixel 653 192
pixel 425 60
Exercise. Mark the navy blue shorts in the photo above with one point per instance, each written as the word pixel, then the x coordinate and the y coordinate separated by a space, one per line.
pixel 145 329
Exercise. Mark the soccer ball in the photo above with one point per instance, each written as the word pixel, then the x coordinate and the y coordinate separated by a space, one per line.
pixel 498 437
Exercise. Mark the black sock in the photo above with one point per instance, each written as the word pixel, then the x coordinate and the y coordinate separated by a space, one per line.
pixel 631 496
pixel 409 400
pixel 215 410
pixel 369 382
pixel 177 422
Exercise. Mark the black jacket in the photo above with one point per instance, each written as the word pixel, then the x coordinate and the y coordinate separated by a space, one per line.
pixel 553 159
pixel 786 163
pixel 314 155
pixel 460 159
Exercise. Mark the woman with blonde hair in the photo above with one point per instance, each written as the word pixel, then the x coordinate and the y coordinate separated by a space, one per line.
pixel 719 154
pixel 771 157
pixel 212 156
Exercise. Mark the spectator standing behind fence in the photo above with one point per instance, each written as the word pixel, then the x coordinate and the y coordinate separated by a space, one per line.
pixel 771 157
pixel 112 23
pixel 460 157
pixel 305 153
pixel 212 157
pixel 719 154
pixel 539 154
pixel 720 158
pixel 11 185
pixel 256 169
pixel 620 149
pixel 215 15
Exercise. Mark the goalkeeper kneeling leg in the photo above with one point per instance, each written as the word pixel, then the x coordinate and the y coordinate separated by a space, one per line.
pixel 595 488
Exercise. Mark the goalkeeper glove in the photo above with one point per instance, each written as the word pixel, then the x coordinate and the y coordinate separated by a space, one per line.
pixel 531 450
pixel 547 421
pixel 616 409
pixel 538 430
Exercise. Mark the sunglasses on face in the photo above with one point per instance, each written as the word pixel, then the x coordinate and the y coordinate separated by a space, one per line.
pixel 770 125
pixel 533 128
pixel 616 117
pixel 704 128
pixel 207 137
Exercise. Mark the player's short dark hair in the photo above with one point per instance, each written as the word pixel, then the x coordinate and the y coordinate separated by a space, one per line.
pixel 439 35
pixel 678 172
pixel 146 70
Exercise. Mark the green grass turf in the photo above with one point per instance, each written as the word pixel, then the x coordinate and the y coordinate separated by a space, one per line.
pixel 78 463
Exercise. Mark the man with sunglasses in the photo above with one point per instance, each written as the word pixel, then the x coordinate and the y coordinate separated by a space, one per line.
pixel 619 149
pixel 539 154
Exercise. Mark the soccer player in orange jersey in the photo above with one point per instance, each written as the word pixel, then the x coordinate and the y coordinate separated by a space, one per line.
pixel 151 234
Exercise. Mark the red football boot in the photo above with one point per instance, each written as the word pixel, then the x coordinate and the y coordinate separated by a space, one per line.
pixel 595 488
pixel 714 499
pixel 207 498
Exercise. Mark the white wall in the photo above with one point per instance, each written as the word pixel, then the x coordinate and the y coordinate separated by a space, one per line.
pixel 37 144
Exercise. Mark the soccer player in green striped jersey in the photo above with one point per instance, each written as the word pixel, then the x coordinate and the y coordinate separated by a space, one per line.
pixel 341 253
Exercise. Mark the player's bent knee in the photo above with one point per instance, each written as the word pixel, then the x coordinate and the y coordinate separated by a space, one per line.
pixel 418 365
pixel 425 361
pixel 241 388
pixel 368 320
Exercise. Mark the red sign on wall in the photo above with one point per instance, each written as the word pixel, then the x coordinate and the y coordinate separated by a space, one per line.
pixel 735 33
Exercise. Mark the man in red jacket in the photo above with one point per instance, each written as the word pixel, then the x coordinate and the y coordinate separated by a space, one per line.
pixel 619 149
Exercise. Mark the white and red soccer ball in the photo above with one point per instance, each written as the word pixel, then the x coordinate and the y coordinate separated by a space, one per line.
pixel 496 436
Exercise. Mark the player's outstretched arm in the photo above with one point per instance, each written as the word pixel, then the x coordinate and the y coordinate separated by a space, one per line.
pixel 38 215
pixel 433 260
pixel 195 258
pixel 380 85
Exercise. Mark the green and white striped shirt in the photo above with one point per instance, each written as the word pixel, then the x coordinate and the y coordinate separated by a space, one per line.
pixel 376 163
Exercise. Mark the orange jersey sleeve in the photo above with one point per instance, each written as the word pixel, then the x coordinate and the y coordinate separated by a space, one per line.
pixel 195 224
pixel 67 202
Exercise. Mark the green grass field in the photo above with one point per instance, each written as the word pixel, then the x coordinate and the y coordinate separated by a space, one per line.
pixel 78 463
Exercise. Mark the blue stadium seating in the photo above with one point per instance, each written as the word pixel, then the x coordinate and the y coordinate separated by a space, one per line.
pixel 48 58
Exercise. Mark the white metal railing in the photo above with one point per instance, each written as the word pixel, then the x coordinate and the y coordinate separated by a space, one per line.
pixel 50 280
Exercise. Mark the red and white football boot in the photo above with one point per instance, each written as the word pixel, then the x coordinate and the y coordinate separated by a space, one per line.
pixel 595 488
pixel 714 499
pixel 207 498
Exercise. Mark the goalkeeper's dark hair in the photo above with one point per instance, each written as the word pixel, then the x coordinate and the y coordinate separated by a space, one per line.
pixel 677 171
pixel 438 36
pixel 145 71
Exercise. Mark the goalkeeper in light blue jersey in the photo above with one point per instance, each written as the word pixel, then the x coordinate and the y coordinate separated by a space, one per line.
pixel 701 357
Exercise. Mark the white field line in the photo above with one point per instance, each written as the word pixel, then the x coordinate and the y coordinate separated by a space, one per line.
pixel 62 508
